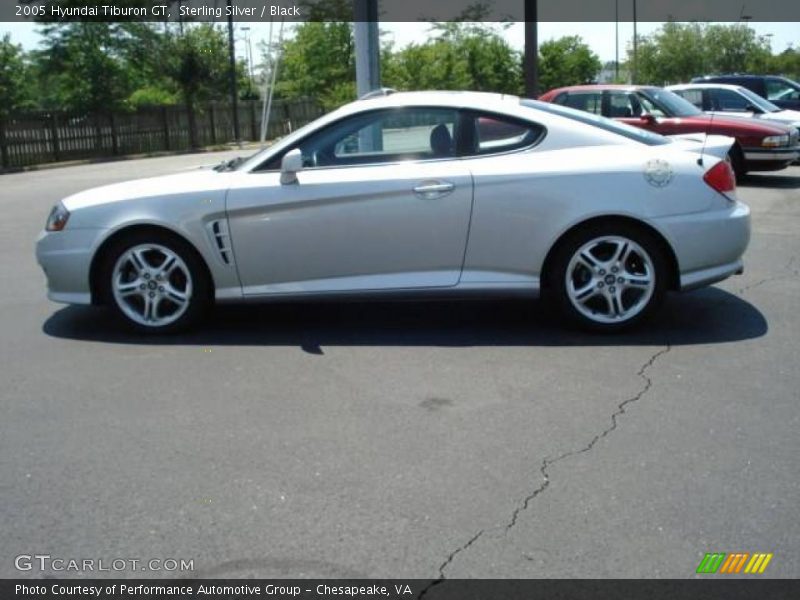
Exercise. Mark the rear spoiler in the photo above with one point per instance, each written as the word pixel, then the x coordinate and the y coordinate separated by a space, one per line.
pixel 701 143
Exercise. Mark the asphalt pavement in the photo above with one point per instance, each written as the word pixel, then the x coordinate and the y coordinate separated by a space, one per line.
pixel 469 439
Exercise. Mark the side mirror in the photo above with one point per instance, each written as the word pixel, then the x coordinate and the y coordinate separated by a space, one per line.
pixel 647 118
pixel 291 164
pixel 752 108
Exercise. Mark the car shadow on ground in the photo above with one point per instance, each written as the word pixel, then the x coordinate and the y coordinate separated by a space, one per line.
pixel 785 182
pixel 706 316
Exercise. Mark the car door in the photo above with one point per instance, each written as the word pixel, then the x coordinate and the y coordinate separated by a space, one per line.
pixel 729 103
pixel 382 203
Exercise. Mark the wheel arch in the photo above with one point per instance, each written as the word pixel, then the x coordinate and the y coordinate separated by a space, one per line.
pixel 98 294
pixel 673 282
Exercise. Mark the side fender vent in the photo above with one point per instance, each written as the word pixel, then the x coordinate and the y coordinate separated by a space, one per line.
pixel 222 239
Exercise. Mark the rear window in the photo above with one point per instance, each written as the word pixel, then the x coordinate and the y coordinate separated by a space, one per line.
pixel 494 134
pixel 694 96
pixel 591 102
pixel 627 131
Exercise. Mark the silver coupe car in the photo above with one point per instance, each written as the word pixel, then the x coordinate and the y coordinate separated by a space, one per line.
pixel 417 194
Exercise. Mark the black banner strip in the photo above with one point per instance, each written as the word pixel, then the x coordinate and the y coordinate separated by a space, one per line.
pixel 711 588
pixel 401 11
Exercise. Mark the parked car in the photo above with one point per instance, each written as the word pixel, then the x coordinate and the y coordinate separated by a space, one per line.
pixel 781 91
pixel 734 101
pixel 759 146
pixel 403 196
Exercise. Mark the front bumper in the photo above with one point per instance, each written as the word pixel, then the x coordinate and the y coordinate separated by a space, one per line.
pixel 66 256
pixel 769 159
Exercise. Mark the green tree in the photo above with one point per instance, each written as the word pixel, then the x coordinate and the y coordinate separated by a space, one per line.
pixel 460 56
pixel 679 51
pixel 786 63
pixel 567 61
pixel 196 62
pixel 319 62
pixel 736 48
pixel 81 67
pixel 15 92
pixel 674 53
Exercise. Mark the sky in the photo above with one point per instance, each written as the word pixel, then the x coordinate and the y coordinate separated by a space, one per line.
pixel 599 36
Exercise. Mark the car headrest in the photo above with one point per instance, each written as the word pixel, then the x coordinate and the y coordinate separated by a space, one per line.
pixel 441 140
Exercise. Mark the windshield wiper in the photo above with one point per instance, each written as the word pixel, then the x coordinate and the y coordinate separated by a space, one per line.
pixel 229 165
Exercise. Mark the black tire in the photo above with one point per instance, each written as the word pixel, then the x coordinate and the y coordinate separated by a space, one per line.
pixel 736 158
pixel 559 280
pixel 199 287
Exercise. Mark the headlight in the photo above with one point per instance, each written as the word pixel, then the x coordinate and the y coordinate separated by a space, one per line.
pixel 773 141
pixel 58 218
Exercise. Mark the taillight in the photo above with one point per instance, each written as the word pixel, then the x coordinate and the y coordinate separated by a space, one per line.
pixel 721 177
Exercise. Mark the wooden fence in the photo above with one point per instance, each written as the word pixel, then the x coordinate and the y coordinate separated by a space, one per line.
pixel 51 136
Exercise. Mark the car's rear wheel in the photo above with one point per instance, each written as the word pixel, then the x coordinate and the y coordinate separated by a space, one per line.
pixel 608 277
pixel 155 283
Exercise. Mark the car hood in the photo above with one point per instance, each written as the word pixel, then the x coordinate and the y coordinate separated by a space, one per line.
pixel 741 125
pixel 197 181
pixel 790 117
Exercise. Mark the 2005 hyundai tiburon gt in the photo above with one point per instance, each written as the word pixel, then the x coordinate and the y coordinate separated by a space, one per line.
pixel 413 194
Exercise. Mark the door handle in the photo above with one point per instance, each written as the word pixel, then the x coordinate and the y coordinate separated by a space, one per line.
pixel 430 190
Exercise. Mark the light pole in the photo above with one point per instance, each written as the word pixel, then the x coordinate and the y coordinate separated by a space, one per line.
pixel 635 46
pixel 248 55
pixel 234 91
pixel 367 41
pixel 616 41
pixel 531 63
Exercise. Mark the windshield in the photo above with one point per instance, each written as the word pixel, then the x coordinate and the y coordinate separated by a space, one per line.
pixel 758 101
pixel 628 131
pixel 671 103
pixel 262 155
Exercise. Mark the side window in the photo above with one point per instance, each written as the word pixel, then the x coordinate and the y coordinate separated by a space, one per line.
pixel 495 134
pixel 728 101
pixel 693 96
pixel 591 102
pixel 649 107
pixel 382 137
pixel 778 90
pixel 621 105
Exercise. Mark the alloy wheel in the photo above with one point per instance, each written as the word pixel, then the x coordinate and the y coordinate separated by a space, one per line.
pixel 151 285
pixel 610 279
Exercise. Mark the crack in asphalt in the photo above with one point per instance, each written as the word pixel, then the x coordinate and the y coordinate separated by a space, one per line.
pixel 549 462
pixel 787 271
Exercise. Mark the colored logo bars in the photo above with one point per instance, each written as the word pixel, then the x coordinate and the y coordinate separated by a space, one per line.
pixel 720 562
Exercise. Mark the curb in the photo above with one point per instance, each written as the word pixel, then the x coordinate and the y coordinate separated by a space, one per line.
pixel 106 159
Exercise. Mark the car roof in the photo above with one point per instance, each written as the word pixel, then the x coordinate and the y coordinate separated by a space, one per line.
pixel 736 76
pixel 704 86
pixel 454 99
pixel 600 87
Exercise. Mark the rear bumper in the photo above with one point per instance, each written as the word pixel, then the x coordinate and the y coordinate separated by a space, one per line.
pixel 709 245
pixel 704 277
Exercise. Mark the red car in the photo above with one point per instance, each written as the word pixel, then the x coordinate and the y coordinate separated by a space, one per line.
pixel 759 146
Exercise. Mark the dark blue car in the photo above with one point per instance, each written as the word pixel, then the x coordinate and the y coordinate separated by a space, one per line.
pixel 780 91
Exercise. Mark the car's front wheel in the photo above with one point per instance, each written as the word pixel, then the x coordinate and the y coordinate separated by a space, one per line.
pixel 608 277
pixel 155 283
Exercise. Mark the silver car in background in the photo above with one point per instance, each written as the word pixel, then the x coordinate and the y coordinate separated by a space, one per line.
pixel 735 101
pixel 421 194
